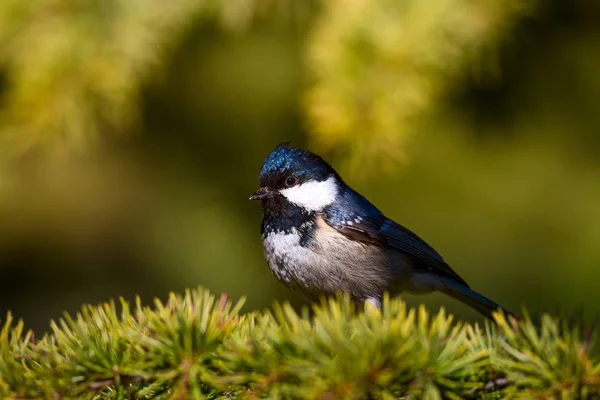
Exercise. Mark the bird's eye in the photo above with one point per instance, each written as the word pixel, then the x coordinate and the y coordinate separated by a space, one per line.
pixel 290 181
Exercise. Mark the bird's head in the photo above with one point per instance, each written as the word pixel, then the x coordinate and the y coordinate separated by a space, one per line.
pixel 297 177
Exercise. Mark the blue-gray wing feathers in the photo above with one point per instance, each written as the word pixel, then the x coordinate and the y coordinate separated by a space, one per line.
pixel 384 232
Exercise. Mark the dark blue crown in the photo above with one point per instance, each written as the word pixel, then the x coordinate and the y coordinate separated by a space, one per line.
pixel 284 159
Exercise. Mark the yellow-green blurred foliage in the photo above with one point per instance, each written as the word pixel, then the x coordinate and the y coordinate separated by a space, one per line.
pixel 379 64
pixel 74 69
pixel 132 133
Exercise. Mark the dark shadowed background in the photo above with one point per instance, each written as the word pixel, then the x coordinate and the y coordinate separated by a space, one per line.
pixel 132 134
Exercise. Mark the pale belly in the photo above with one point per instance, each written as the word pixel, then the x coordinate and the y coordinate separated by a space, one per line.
pixel 330 263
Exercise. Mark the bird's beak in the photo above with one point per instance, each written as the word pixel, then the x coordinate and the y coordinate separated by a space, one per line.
pixel 262 193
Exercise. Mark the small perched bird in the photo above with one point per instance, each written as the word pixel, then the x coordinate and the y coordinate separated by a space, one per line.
pixel 320 236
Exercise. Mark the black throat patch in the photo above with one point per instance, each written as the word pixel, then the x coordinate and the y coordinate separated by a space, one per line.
pixel 282 216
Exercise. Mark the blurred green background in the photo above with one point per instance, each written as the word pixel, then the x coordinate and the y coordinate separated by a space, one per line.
pixel 132 133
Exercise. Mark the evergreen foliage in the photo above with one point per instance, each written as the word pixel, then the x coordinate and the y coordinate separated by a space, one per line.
pixel 197 346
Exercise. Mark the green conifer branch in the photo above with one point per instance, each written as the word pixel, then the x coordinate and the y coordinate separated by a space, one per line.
pixel 199 346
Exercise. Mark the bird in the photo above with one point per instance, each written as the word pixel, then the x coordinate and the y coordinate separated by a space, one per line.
pixel 321 237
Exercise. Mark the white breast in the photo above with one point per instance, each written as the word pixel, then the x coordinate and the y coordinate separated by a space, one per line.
pixel 328 263
pixel 286 257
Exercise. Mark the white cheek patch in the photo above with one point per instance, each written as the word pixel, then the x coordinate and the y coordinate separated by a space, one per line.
pixel 312 195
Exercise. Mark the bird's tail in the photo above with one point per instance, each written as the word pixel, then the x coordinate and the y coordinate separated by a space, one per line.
pixel 471 298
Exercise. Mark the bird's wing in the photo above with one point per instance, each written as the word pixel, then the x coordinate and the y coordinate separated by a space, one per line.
pixel 382 231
